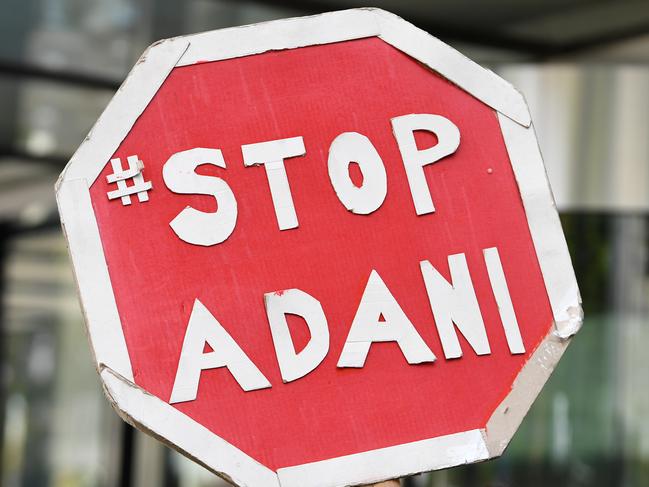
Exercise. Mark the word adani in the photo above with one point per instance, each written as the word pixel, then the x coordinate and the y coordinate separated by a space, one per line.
pixel 378 318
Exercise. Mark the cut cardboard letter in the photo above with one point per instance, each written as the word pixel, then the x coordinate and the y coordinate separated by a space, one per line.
pixel 354 147
pixel 457 304
pixel 203 328
pixel 272 154
pixel 367 327
pixel 191 225
pixel 414 160
pixel 296 302
pixel 503 300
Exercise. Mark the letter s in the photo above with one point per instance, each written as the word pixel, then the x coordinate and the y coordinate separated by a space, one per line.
pixel 195 226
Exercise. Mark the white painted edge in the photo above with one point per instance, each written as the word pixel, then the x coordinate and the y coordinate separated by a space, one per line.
pixel 91 273
pixel 509 414
pixel 107 340
pixel 560 282
pixel 360 23
pixel 131 99
pixel 545 226
pixel 246 40
pixel 388 463
pixel 156 417
pixel 480 82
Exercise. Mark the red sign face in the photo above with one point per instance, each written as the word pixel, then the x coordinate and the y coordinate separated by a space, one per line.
pixel 321 251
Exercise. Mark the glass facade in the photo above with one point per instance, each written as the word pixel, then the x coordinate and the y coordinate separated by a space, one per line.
pixel 60 62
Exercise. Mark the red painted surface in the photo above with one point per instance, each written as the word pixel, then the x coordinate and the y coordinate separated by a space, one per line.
pixel 319 92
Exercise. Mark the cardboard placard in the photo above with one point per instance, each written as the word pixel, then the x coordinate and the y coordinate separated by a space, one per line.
pixel 386 296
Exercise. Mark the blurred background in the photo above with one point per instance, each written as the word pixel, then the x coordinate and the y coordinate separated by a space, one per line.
pixel 583 66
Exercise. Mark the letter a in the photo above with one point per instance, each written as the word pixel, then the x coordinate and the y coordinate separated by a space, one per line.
pixel 367 328
pixel 203 328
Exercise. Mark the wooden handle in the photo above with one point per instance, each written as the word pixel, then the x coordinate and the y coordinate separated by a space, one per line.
pixel 387 483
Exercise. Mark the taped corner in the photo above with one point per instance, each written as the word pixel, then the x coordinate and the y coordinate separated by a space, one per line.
pixel 566 329
pixel 169 425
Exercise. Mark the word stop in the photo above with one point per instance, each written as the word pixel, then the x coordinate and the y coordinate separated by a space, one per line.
pixel 211 228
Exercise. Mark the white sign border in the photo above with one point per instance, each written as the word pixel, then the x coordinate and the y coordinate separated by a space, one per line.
pixel 100 310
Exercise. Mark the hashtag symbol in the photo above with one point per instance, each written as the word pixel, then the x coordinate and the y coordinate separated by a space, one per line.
pixel 120 176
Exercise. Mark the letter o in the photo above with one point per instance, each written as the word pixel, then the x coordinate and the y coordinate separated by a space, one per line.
pixel 351 147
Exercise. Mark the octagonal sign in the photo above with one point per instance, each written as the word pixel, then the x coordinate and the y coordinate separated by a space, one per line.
pixel 319 252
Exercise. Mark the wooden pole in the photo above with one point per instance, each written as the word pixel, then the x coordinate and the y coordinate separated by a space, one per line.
pixel 387 483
